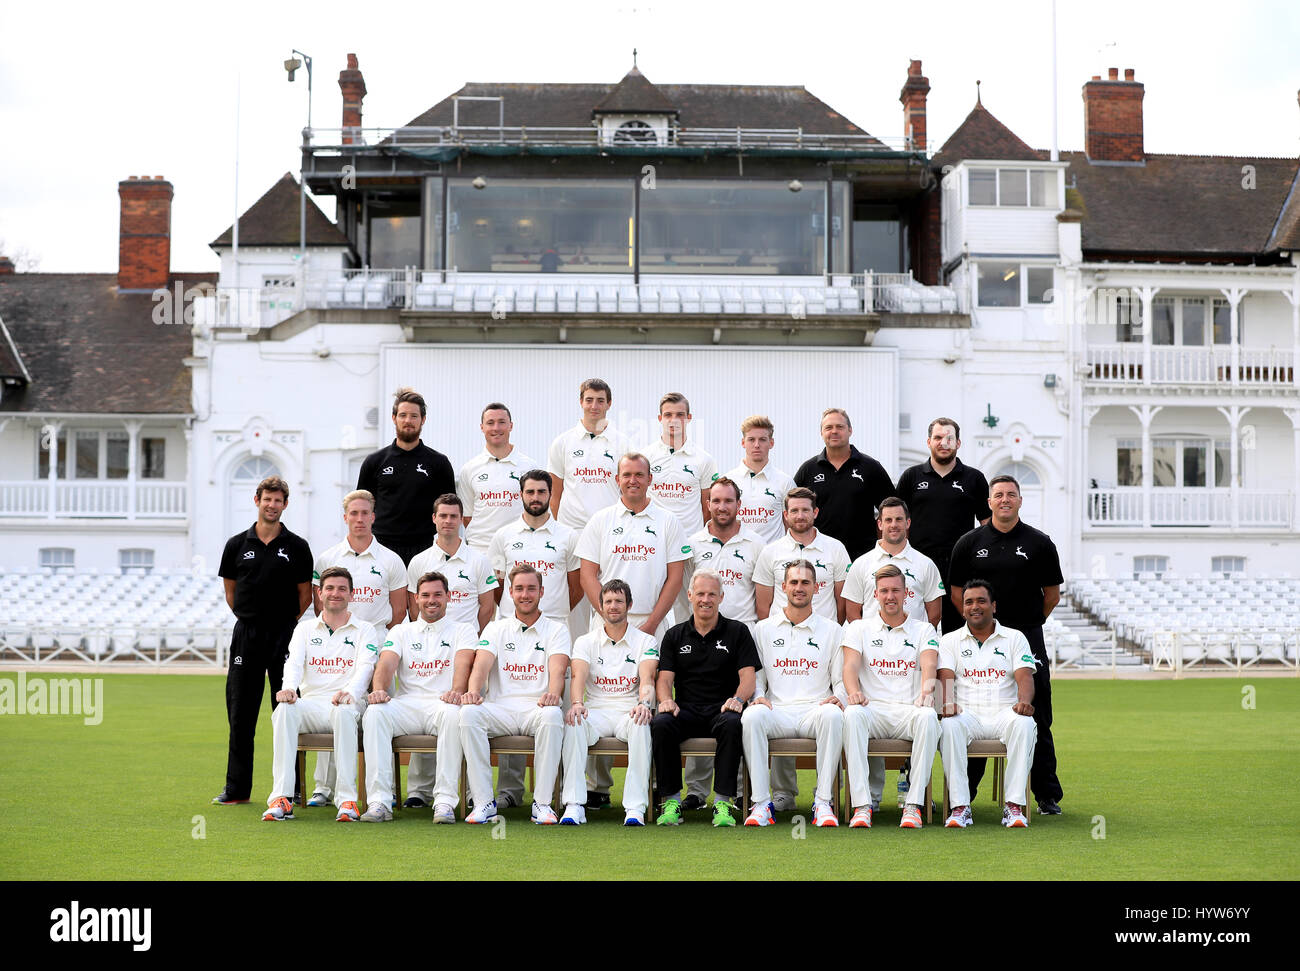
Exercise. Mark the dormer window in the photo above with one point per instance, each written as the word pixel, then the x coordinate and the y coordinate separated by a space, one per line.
pixel 634 133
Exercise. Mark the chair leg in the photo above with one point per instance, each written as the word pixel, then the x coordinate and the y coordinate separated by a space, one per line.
pixel 361 778
pixel 397 779
pixel 299 789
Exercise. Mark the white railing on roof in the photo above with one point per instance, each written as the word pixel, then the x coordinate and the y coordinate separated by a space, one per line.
pixel 442 136
pixel 92 499
pixel 1125 364
pixel 1126 506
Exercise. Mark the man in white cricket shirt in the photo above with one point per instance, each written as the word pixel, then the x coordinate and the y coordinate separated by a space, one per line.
pixel 432 657
pixel 987 675
pixel 584 460
pixel 379 594
pixel 613 691
pixel 519 667
pixel 762 483
pixel 488 484
pixel 682 470
pixel 326 677
pixel 472 584
pixel 890 661
pixel 794 696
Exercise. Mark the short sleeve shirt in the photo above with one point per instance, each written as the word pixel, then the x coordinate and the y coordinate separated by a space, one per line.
pixel 266 575
pixel 489 488
pixel 468 573
pixel 733 561
pixel 551 547
pixel 586 463
pixel 426 656
pixel 920 578
pixel 323 661
pixel 847 497
pixel 762 499
pixel 376 572
pixel 801 662
pixel 519 677
pixel 943 507
pixel 827 555
pixel 678 479
pixel 1019 563
pixel 891 656
pixel 612 681
pixel 706 667
pixel 636 548
pixel 985 673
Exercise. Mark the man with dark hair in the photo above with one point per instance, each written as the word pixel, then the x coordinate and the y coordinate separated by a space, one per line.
pixel 405 477
pixel 1023 565
pixel 849 485
pixel 267 576
pixel 488 484
pixel 947 500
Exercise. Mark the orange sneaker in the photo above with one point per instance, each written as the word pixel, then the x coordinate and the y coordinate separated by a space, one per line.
pixel 279 810
pixel 911 817
pixel 861 818
pixel 348 813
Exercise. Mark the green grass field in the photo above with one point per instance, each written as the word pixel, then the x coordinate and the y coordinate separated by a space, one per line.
pixel 1190 784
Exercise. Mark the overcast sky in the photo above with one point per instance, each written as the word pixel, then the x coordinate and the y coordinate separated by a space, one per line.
pixel 93 93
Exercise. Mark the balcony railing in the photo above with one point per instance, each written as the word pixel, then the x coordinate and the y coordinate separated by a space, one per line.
pixel 1133 506
pixel 87 499
pixel 1124 364
pixel 436 291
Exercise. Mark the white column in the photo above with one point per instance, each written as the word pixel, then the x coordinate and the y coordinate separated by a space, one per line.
pixel 1294 415
pixel 1234 295
pixel 51 428
pixel 132 465
pixel 1088 414
pixel 1234 414
pixel 1144 414
pixel 1145 294
pixel 1293 297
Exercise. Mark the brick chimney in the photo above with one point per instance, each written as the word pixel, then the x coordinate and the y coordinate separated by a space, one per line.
pixel 912 96
pixel 144 252
pixel 1112 118
pixel 353 86
pixel 6 266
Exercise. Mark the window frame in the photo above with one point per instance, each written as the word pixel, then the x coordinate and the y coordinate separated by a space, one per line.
pixel 1029 172
pixel 47 560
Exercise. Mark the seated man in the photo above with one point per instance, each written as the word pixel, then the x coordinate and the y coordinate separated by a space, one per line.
pixel 987 672
pixel 710 661
pixel 800 656
pixel 889 680
pixel 612 687
pixel 432 657
pixel 326 678
pixel 520 663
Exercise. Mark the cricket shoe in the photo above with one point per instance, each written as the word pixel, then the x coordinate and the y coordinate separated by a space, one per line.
pixel 483 814
pixel 348 813
pixel 377 812
pixel 226 798
pixel 672 813
pixel 782 802
pixel 318 799
pixel 911 817
pixel 1013 817
pixel 634 817
pixel 280 810
pixel 761 815
pixel 575 814
pixel 722 813
pixel 444 813
pixel 544 815
pixel 960 818
pixel 823 815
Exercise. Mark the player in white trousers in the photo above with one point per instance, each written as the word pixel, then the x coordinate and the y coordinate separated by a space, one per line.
pixel 520 664
pixel 794 694
pixel 431 657
pixel 330 661
pixel 890 661
pixel 987 675
pixel 613 692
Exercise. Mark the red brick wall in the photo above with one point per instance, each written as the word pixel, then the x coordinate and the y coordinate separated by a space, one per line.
pixel 144 235
pixel 353 86
pixel 1112 118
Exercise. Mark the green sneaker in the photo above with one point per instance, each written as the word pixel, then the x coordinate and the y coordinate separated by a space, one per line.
pixel 722 813
pixel 672 814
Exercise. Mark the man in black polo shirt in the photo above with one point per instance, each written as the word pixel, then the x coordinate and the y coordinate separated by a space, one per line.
pixel 267 574
pixel 1023 567
pixel 849 485
pixel 405 477
pixel 947 499
pixel 709 662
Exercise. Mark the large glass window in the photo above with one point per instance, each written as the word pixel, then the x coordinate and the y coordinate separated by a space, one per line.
pixel 999 284
pixel 1190 463
pixel 1223 322
pixel 1193 321
pixel 1038 280
pixel 841 226
pixel 983 187
pixel 533 226
pixel 87 457
pixel 432 224
pixel 153 458
pixel 394 233
pixel 1013 187
pixel 1162 320
pixel 1128 454
pixel 733 227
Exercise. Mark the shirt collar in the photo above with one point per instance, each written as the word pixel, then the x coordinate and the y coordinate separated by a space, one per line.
pixel 997 632
pixel 807 622
pixel 904 554
pixel 320 623
pixel 544 528
pixel 876 623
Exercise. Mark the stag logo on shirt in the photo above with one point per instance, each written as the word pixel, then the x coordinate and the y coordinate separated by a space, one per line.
pixel 513 476
pixel 281 552
pixel 628 659
pixel 688 470
pixel 908 574
pixel 819 564
pixel 461 575
pixel 857 475
pixel 957 486
pixel 721 647
pixel 769 492
pixel 736 554
pixel 375 571
pixel 814 645
pixel 999 654
pixel 651 531
pixel 1020 552
pixel 420 468
pixel 608 456
pixel 551 548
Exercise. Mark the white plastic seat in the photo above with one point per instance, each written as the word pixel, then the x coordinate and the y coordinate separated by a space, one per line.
pixel 376 291
pixel 607 299
pixel 546 299
pixel 588 301
pixel 354 291
pixel 484 298
pixel 711 301
pixel 628 302
pixel 732 300
pixel 566 301
pixel 463 302
pixel 692 302
pixel 649 298
pixel 526 299
pixel 773 301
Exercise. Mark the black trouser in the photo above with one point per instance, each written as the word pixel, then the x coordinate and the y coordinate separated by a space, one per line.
pixel 257 651
pixel 952 619
pixel 1042 774
pixel 667 732
pixel 402 547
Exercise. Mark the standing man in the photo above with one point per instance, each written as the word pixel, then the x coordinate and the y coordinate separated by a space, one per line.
pixel 800 657
pixel 1023 566
pixel 849 485
pixel 584 459
pixel 613 691
pixel 682 470
pixel 326 678
pixel 763 484
pixel 890 660
pixel 803 541
pixel 267 576
pixel 948 499
pixel 488 484
pixel 988 692
pixel 405 477
pixel 519 667
pixel 924 583
pixel 432 657
pixel 378 594
pixel 471 584
pixel 709 663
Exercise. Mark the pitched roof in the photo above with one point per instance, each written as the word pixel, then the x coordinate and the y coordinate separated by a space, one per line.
pixel 983 136
pixel 273 220
pixel 698 106
pixel 1183 205
pixel 90 348
pixel 12 366
pixel 1286 234
pixel 636 94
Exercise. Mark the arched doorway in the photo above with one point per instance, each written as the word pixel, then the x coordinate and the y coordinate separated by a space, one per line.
pixel 1031 491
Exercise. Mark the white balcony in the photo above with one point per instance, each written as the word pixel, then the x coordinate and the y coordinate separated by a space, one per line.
pixel 1125 365
pixel 1133 506
pixel 90 499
